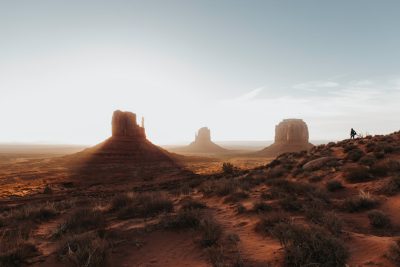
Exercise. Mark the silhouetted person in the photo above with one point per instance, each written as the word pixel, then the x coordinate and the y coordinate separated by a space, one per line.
pixel 352 133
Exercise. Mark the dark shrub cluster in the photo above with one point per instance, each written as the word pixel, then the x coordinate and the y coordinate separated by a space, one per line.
pixel 334 185
pixel 392 186
pixel 146 205
pixel 81 220
pixel 228 168
pixel 190 204
pixel 363 201
pixel 290 203
pixel 261 206
pixel 236 197
pixel 211 232
pixel 185 218
pixel 267 222
pixel 87 249
pixel 313 246
pixel 379 219
pixel 355 154
pixel 357 174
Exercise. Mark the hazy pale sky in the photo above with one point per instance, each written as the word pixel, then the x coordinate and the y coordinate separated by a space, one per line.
pixel 238 67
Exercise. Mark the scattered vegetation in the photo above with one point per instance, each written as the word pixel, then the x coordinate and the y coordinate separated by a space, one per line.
pixel 228 168
pixel 81 220
pixel 378 219
pixel 191 204
pixel 211 232
pixel 87 249
pixel 261 206
pixel 363 201
pixel 392 186
pixel 143 205
pixel 357 174
pixel 313 246
pixel 334 185
pixel 185 218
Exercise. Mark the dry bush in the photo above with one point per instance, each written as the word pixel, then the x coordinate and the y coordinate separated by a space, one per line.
pixel 267 223
pixel 383 168
pixel 146 205
pixel 14 247
pixel 228 168
pixel 236 197
pixel 240 209
pixel 37 212
pixel 355 154
pixel 368 160
pixel 221 187
pixel 216 256
pixel 394 252
pixel 81 220
pixel 378 219
pixel 261 206
pixel 184 219
pixel 334 185
pixel 120 201
pixel 290 203
pixel 191 204
pixel 315 179
pixel 357 174
pixel 310 246
pixel 363 201
pixel 211 232
pixel 392 186
pixel 86 249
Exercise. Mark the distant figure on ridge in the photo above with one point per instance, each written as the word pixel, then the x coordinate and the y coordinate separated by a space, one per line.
pixel 352 133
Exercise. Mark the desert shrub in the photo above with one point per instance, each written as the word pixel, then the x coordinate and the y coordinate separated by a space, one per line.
pixel 145 205
pixel 378 219
pixel 47 190
pixel 261 206
pixel 349 147
pixel 355 154
pixel 394 252
pixel 380 169
pixel 290 203
pixel 81 220
pixel 14 247
pixel 38 212
pixel 185 218
pixel 315 179
pixel 267 222
pixel 216 256
pixel 221 187
pixel 357 174
pixel 236 197
pixel 392 186
pixel 120 201
pixel 240 209
pixel 276 171
pixel 191 204
pixel 228 168
pixel 379 154
pixel 332 223
pixel 334 185
pixel 368 160
pixel 211 232
pixel 363 201
pixel 310 246
pixel 84 250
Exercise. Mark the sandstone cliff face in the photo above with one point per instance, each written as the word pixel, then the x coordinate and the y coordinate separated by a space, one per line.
pixel 291 131
pixel 291 135
pixel 124 125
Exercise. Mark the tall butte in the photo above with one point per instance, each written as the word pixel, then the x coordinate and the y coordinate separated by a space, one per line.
pixel 291 135
pixel 127 153
pixel 202 143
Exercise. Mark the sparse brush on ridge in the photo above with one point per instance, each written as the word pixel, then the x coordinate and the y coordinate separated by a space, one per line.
pixel 261 206
pixel 211 232
pixel 184 219
pixel 357 174
pixel 392 186
pixel 35 212
pixel 190 203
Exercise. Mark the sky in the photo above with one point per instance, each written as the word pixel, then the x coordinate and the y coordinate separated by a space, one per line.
pixel 238 67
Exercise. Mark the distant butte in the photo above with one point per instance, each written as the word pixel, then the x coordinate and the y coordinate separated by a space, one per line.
pixel 291 135
pixel 127 153
pixel 203 144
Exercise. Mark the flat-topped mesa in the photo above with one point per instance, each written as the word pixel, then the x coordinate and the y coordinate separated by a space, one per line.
pixel 291 135
pixel 291 131
pixel 124 125
pixel 203 135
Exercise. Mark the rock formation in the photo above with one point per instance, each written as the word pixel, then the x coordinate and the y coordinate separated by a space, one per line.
pixel 202 143
pixel 126 153
pixel 291 135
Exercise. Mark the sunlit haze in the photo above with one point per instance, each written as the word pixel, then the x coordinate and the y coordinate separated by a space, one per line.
pixel 238 67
